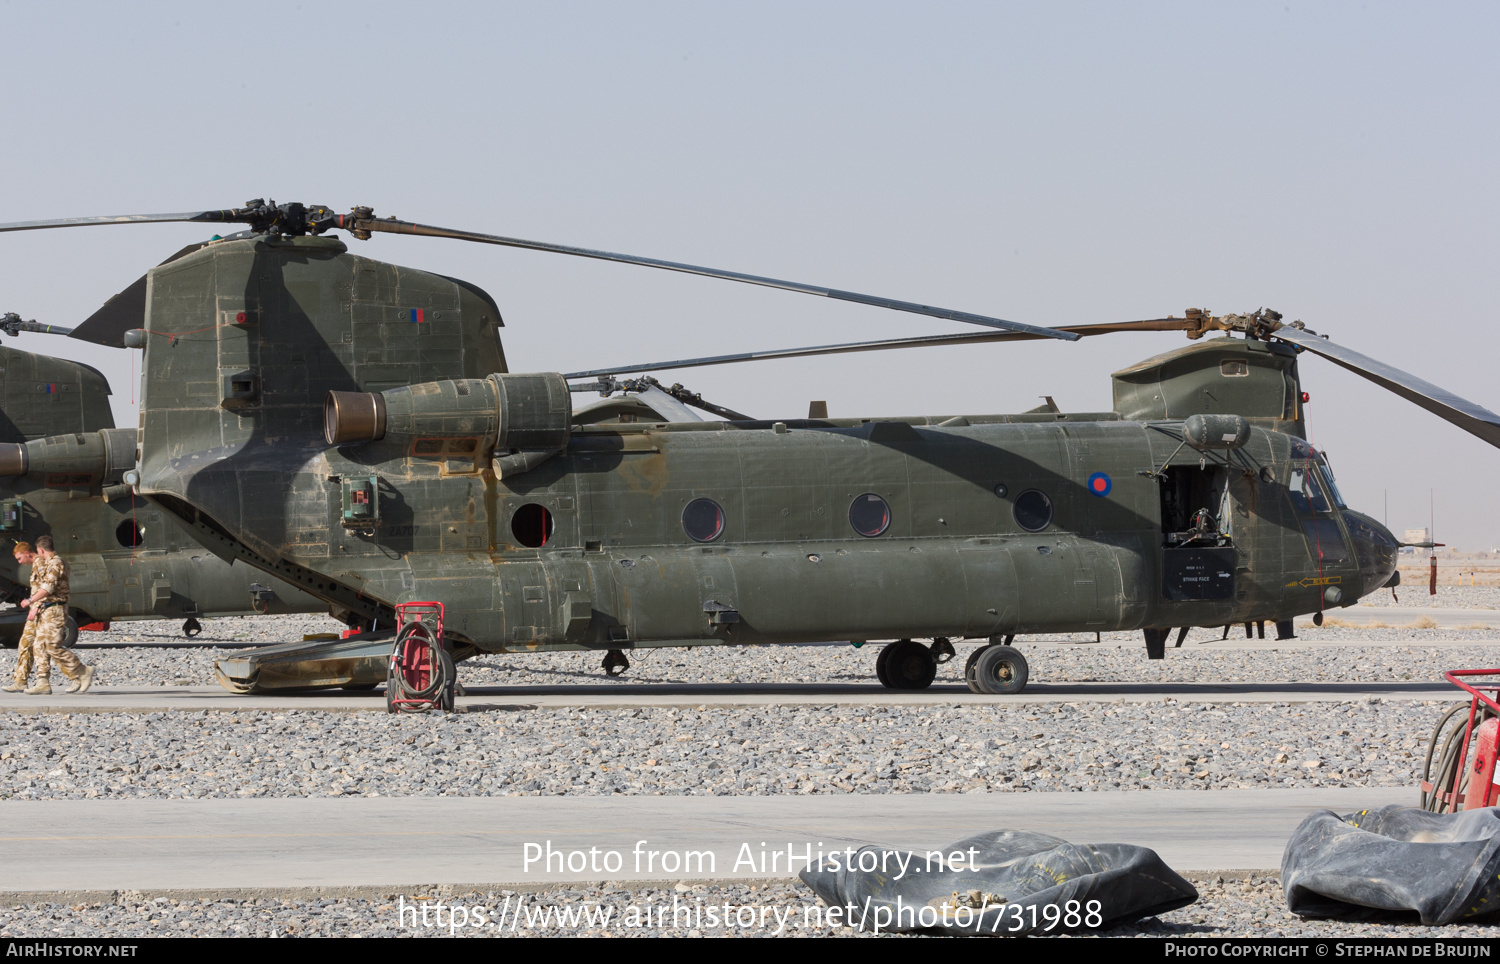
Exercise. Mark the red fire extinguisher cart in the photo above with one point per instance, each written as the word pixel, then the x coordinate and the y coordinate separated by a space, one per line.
pixel 1453 779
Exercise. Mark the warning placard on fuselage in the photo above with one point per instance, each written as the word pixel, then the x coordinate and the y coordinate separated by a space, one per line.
pixel 1197 573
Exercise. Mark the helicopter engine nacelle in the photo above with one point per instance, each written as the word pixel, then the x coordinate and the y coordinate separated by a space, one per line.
pixel 100 456
pixel 1228 432
pixel 1220 376
pixel 524 419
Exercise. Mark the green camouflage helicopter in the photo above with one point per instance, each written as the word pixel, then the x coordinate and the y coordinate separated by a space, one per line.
pixel 127 559
pixel 440 475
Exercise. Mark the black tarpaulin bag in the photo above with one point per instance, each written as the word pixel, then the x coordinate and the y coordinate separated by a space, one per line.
pixel 1396 862
pixel 1016 876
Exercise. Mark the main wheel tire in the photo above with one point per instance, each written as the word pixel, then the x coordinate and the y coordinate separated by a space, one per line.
pixel 909 666
pixel 881 660
pixel 70 632
pixel 999 670
pixel 969 667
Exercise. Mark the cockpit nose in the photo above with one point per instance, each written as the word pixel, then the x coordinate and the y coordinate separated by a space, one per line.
pixel 1375 548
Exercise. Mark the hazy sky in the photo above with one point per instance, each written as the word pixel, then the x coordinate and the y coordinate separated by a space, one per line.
pixel 1048 163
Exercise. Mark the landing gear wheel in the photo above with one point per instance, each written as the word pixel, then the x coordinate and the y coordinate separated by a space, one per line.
pixel 615 663
pixel 909 666
pixel 942 650
pixel 969 667
pixel 998 670
pixel 70 631
pixel 192 627
pixel 881 660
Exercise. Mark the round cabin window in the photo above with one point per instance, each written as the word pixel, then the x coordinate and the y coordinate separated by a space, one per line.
pixel 1033 511
pixel 870 515
pixel 531 525
pixel 703 520
pixel 130 535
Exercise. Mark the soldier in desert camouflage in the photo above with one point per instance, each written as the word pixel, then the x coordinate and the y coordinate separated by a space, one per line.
pixel 25 555
pixel 46 624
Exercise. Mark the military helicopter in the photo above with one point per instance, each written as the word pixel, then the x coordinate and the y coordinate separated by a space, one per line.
pixel 441 475
pixel 128 560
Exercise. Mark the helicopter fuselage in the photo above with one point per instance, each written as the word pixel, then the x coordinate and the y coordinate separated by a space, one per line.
pixel 537 533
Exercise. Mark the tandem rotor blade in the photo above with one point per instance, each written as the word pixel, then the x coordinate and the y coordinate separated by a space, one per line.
pixel 298 219
pixel 12 324
pixel 391 226
pixel 886 344
pixel 1474 419
pixel 207 216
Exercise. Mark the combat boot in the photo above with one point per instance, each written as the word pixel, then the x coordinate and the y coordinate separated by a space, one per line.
pixel 39 688
pixel 82 683
pixel 13 688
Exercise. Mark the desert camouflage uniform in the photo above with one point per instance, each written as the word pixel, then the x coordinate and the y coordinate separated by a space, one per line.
pixel 23 653
pixel 50 575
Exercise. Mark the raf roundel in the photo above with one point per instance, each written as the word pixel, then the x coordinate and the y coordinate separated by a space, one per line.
pixel 1099 484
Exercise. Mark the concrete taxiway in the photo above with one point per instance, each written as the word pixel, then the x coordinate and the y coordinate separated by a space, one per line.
pixel 382 845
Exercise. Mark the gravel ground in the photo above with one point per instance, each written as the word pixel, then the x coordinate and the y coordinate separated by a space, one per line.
pixel 1232 907
pixel 715 751
pixel 1448 597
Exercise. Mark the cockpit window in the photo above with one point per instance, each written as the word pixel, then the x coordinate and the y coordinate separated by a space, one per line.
pixel 1333 489
pixel 1300 450
pixel 1307 494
